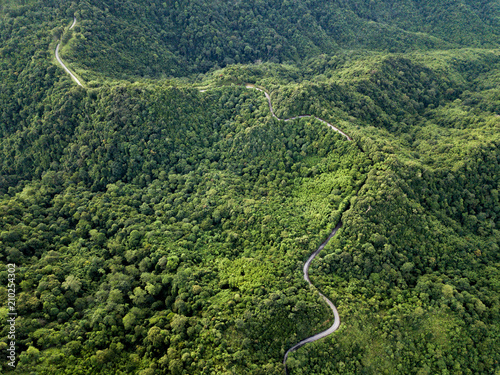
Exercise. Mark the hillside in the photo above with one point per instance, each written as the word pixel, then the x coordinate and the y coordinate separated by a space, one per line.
pixel 162 39
pixel 159 216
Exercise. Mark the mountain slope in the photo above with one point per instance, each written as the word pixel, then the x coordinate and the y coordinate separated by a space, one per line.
pixel 160 225
pixel 153 38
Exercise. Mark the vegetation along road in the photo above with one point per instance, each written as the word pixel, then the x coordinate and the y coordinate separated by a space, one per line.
pixel 307 264
pixel 61 62
pixel 336 322
pixel 301 116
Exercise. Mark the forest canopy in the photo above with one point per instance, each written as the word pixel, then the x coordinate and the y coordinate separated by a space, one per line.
pixel 159 216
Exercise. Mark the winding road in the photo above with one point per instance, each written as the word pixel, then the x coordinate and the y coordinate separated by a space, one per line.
pixel 307 264
pixel 61 62
pixel 268 97
pixel 336 321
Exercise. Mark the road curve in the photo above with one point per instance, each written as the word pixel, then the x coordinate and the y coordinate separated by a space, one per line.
pixel 336 321
pixel 268 97
pixel 61 62
pixel 307 264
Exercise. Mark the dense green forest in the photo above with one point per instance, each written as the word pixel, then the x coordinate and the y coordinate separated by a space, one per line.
pixel 152 38
pixel 159 217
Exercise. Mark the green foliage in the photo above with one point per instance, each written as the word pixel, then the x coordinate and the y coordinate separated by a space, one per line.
pixel 160 229
pixel 161 39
